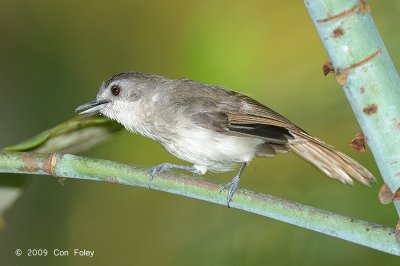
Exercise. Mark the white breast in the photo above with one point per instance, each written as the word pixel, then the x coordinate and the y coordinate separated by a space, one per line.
pixel 216 151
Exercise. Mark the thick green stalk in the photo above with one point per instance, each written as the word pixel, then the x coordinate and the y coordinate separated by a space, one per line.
pixel 371 83
pixel 69 166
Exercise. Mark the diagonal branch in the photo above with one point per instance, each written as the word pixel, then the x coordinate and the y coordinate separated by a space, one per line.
pixel 69 166
pixel 370 81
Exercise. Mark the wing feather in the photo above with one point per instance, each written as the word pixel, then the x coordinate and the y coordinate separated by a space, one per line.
pixel 244 116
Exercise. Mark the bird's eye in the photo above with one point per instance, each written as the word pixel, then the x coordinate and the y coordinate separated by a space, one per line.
pixel 115 90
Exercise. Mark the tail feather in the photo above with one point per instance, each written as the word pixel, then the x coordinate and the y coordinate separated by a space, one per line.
pixel 330 161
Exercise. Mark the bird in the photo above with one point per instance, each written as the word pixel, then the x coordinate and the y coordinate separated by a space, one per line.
pixel 212 128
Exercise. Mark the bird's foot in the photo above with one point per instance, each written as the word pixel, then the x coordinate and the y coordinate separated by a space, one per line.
pixel 165 167
pixel 158 169
pixel 231 187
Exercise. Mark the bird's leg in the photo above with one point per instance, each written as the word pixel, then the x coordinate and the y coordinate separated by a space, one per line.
pixel 234 184
pixel 164 167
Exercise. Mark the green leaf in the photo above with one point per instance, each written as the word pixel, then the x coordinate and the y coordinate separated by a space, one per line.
pixel 78 134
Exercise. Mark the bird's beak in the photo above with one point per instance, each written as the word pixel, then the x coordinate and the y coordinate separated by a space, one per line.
pixel 91 107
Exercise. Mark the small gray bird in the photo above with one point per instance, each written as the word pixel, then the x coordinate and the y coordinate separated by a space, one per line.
pixel 212 127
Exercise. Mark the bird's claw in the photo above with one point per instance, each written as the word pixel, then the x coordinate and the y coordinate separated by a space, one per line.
pixel 231 187
pixel 158 169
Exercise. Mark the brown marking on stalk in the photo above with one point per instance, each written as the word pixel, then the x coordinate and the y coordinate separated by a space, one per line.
pixel 370 109
pixel 338 32
pixel 32 164
pixel 397 194
pixel 29 163
pixel 341 77
pixel 364 8
pixel 49 163
pixel 361 6
pixel 327 68
pixel 385 195
pixel 358 142
pixel 362 90
pixel 362 62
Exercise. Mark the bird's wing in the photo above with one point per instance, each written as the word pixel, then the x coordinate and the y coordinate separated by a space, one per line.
pixel 247 118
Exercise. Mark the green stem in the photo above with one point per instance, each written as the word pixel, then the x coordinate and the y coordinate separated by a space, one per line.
pixel 364 68
pixel 69 166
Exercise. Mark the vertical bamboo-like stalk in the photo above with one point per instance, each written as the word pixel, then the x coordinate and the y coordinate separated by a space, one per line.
pixel 371 83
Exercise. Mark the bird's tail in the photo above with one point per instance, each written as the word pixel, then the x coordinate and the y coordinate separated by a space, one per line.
pixel 330 161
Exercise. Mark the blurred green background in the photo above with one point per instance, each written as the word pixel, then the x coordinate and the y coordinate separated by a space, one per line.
pixel 53 57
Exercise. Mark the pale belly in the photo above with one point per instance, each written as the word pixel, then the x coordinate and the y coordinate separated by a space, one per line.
pixel 214 151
